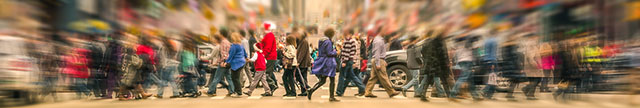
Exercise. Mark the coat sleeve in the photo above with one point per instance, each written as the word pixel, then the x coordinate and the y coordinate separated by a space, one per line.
pixel 328 47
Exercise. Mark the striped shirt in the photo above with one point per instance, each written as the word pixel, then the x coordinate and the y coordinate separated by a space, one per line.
pixel 349 50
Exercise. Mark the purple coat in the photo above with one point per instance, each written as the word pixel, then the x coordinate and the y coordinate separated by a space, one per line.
pixel 325 64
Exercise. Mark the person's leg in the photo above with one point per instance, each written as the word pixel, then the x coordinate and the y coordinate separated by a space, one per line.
pixel 513 83
pixel 288 81
pixel 421 86
pixel 332 88
pixel 216 79
pixel 357 81
pixel 385 82
pixel 437 87
pixel 235 78
pixel 371 82
pixel 545 81
pixel 256 79
pixel 300 76
pixel 342 79
pixel 463 78
pixel 271 78
pixel 414 81
pixel 212 75
pixel 531 87
pixel 323 79
pixel 163 73
pixel 229 79
pixel 488 91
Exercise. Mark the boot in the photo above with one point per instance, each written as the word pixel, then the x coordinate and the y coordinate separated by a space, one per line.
pixel 332 89
pixel 311 90
pixel 142 93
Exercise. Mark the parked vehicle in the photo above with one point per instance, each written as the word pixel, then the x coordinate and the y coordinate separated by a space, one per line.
pixel 18 72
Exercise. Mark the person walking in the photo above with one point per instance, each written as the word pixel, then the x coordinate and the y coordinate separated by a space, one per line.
pixel 303 56
pixel 348 57
pixel 414 63
pixel 325 65
pixel 236 60
pixel 260 75
pixel 291 66
pixel 464 59
pixel 532 65
pixel 434 54
pixel 169 69
pixel 378 72
pixel 223 69
pixel 269 49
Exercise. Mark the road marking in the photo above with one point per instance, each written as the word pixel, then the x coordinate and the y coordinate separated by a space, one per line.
pixel 218 97
pixel 324 88
pixel 354 88
pixel 399 97
pixel 361 97
pixel 324 96
pixel 289 98
pixel 254 97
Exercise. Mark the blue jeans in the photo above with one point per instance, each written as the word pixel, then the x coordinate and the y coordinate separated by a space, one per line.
pixel 437 84
pixel 221 72
pixel 465 77
pixel 414 80
pixel 346 76
pixel 168 77
pixel 488 91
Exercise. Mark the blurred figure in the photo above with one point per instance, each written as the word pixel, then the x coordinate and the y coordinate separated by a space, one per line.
pixel 97 59
pixel 305 61
pixel 236 61
pixel 348 57
pixel 223 69
pixel 290 65
pixel 188 69
pixel 269 48
pixel 260 76
pixel 325 65
pixel 379 71
pixel 414 63
pixel 464 58
pixel 434 54
pixel 113 61
pixel 169 70
pixel 77 66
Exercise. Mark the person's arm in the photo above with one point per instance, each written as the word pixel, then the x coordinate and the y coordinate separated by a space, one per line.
pixel 377 50
pixel 232 53
pixel 328 47
pixel 353 50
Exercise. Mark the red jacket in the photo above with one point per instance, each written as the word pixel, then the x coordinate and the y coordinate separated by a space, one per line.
pixel 269 46
pixel 144 49
pixel 76 65
pixel 260 63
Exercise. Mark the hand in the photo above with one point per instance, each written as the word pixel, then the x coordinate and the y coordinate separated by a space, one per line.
pixel 343 64
pixel 354 65
pixel 378 67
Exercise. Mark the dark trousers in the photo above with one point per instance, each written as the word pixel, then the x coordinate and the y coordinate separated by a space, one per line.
pixel 289 83
pixel 271 78
pixel 530 89
pixel 346 76
pixel 236 76
pixel 323 80
pixel 513 83
pixel 546 80
pixel 98 83
pixel 301 78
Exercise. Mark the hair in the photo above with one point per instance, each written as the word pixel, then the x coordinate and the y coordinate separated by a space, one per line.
pixel 329 32
pixel 235 38
pixel 218 38
pixel 291 40
pixel 225 32
pixel 251 32
pixel 189 45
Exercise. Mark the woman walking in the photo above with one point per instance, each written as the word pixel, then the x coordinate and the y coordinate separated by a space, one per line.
pixel 290 66
pixel 325 65
pixel 236 61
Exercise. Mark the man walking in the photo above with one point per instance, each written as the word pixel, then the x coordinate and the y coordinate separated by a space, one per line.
pixel 348 57
pixel 378 72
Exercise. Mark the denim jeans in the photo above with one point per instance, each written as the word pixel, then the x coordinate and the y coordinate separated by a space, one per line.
pixel 287 79
pixel 424 81
pixel 346 76
pixel 168 77
pixel 80 85
pixel 221 73
pixel 488 91
pixel 414 80
pixel 466 76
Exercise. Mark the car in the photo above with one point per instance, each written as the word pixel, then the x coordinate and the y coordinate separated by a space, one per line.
pixel 397 68
pixel 18 72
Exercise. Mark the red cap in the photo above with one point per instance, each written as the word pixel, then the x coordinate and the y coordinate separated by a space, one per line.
pixel 266 26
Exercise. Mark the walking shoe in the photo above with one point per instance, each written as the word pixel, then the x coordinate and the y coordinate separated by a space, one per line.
pixel 358 94
pixel 404 92
pixel 266 94
pixel 333 100
pixel 371 96
pixel 157 96
pixel 532 98
pixel 174 97
pixel 417 96
pixel 303 94
pixel 245 93
pixel 424 99
pixel 211 94
pixel 394 94
pixel 309 93
pixel 229 94
pixel 453 100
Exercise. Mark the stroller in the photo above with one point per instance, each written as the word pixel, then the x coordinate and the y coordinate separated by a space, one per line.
pixel 187 84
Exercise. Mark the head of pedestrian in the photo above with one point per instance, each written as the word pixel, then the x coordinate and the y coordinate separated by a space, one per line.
pixel 329 33
pixel 236 38
pixel 291 40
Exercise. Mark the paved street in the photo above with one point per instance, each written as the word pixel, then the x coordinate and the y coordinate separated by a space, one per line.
pixel 320 100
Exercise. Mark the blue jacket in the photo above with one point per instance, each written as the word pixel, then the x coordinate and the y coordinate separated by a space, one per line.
pixel 325 64
pixel 237 57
